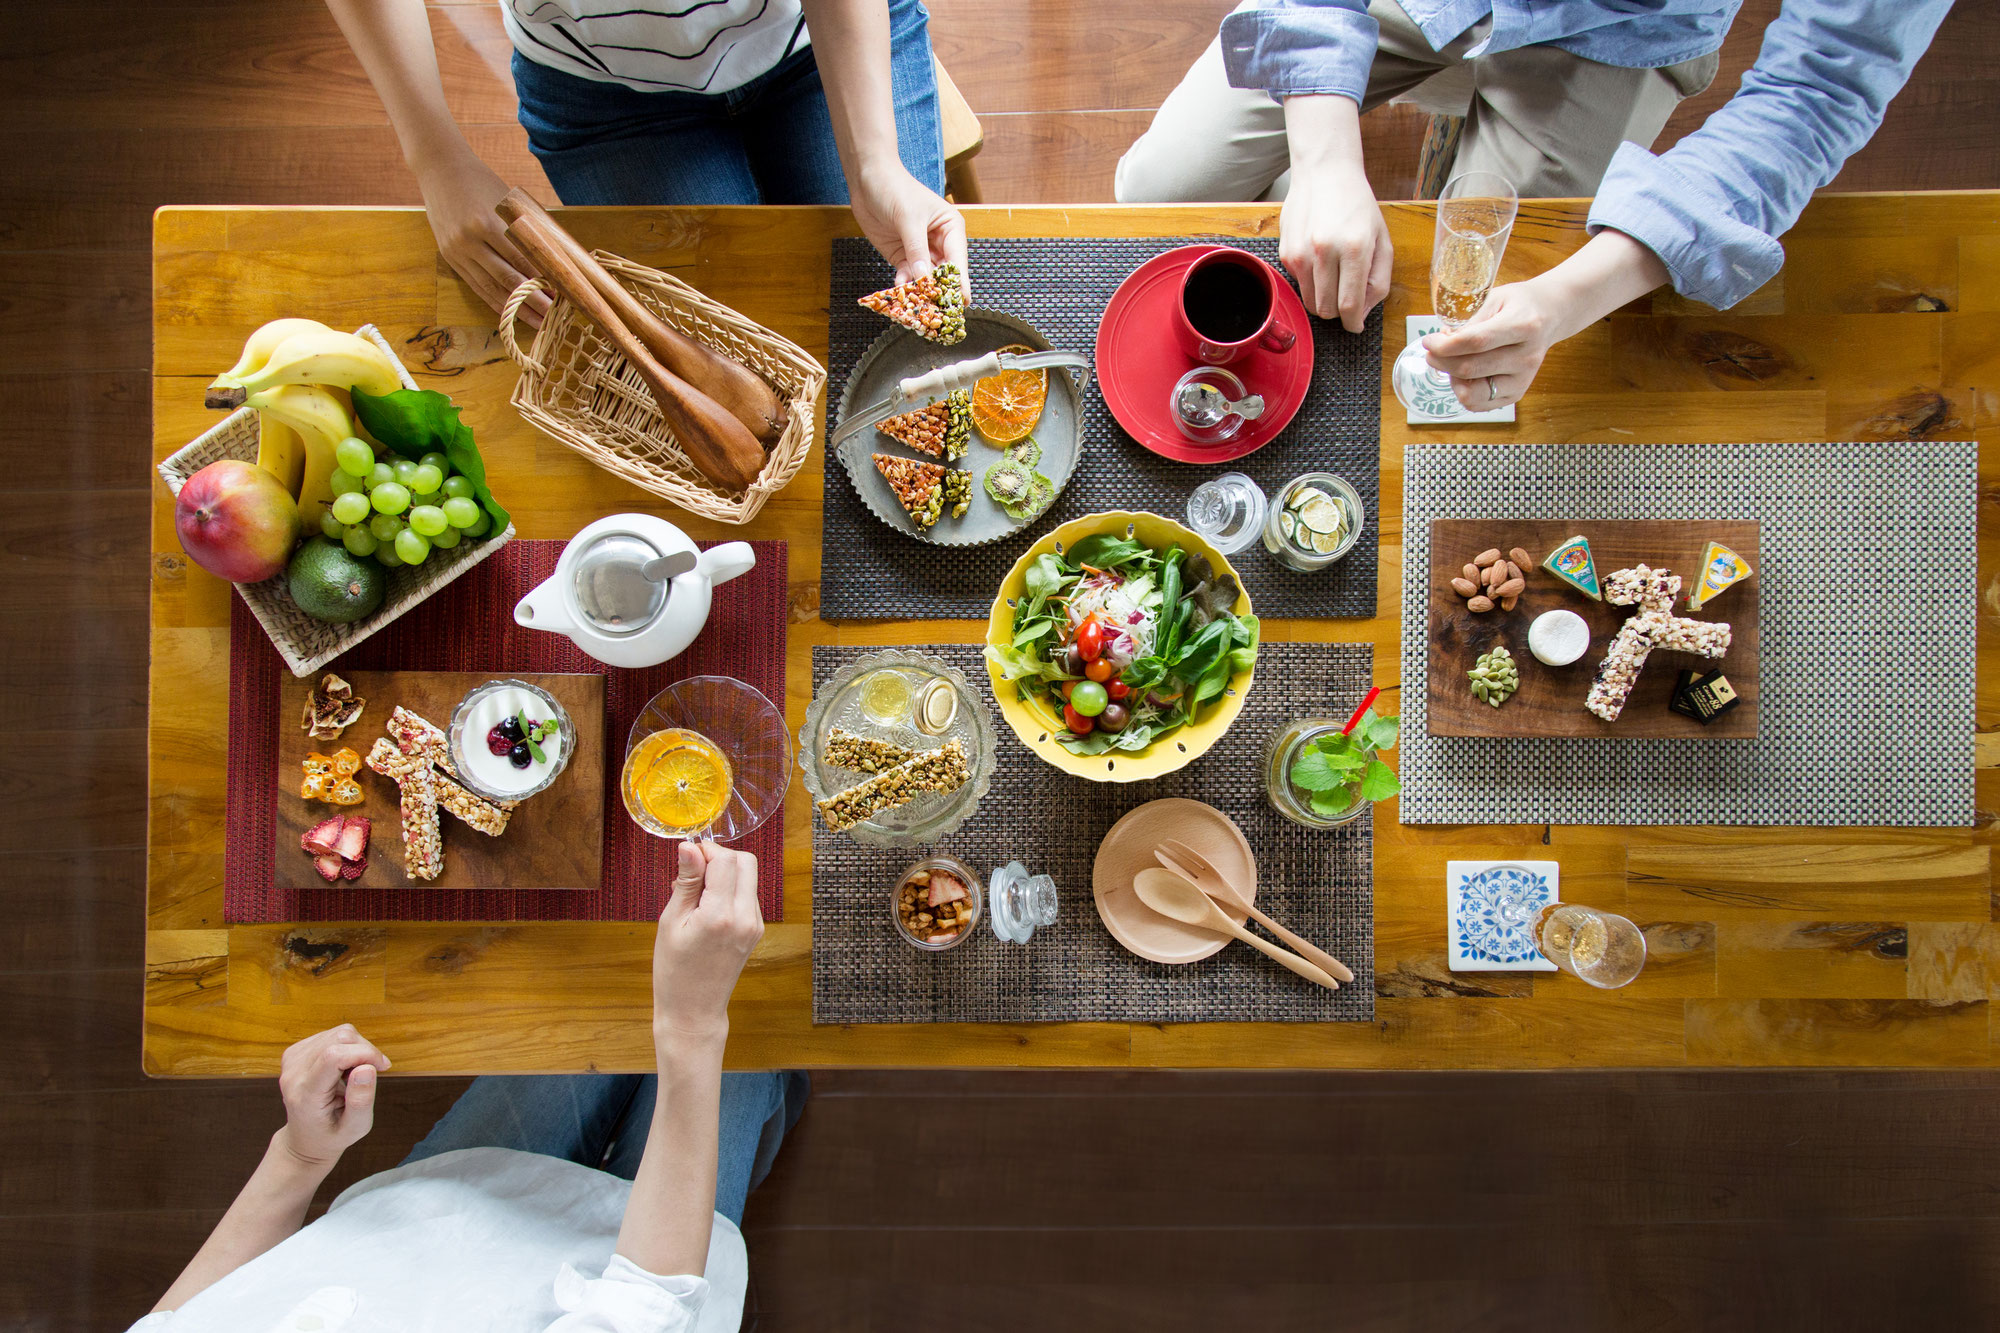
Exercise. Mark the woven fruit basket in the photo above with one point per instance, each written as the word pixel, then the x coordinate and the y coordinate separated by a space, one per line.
pixel 579 389
pixel 307 644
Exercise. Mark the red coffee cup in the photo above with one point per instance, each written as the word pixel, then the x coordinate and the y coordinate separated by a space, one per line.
pixel 1229 305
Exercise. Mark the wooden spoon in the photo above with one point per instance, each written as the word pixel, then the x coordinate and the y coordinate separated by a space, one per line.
pixel 1173 897
pixel 1193 867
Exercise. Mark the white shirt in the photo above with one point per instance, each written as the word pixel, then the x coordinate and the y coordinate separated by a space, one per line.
pixel 482 1238
pixel 696 46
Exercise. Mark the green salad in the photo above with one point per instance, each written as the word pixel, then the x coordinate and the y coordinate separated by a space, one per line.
pixel 1124 643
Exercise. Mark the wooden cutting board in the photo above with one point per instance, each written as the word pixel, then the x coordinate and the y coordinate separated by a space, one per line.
pixel 1550 700
pixel 555 840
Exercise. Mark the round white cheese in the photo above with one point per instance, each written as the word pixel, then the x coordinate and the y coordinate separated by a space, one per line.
pixel 1558 637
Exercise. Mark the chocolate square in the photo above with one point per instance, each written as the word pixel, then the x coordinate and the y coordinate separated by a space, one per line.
pixel 1707 698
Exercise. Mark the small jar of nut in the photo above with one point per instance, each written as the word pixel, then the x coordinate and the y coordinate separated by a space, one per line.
pixel 935 904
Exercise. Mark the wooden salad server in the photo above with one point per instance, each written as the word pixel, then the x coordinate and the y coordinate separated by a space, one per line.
pixel 1171 896
pixel 1193 867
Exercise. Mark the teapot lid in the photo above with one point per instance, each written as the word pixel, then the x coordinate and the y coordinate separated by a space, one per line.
pixel 612 592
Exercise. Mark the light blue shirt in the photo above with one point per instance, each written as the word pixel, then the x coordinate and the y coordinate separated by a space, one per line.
pixel 1711 207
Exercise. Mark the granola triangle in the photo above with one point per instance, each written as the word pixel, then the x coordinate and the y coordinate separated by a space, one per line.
pixel 919 487
pixel 940 430
pixel 933 305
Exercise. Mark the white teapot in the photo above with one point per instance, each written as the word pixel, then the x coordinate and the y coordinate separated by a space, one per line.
pixel 602 600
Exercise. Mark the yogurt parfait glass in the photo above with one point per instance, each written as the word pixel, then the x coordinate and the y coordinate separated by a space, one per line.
pixel 495 776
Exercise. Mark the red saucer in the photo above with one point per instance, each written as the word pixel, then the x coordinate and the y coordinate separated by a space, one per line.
pixel 1139 360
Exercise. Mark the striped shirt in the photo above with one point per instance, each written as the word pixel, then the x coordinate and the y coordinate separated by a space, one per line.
pixel 698 46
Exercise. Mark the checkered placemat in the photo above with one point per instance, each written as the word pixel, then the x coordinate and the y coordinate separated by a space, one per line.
pixel 1868 583
pixel 1061 286
pixel 1320 883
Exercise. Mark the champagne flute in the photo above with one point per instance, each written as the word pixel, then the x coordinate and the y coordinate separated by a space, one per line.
pixel 1475 216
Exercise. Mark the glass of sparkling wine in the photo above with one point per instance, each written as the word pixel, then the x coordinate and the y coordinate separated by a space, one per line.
pixel 1601 948
pixel 1475 216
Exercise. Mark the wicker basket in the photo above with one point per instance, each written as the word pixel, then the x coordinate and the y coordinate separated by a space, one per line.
pixel 580 389
pixel 307 644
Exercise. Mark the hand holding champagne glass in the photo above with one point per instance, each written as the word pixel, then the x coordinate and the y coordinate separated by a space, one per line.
pixel 1475 216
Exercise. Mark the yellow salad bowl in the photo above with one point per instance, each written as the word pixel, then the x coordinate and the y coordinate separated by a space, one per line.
pixel 1038 729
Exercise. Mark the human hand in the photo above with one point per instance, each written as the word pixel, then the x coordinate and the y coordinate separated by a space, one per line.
pixel 710 925
pixel 459 197
pixel 1332 239
pixel 1493 357
pixel 328 1083
pixel 912 227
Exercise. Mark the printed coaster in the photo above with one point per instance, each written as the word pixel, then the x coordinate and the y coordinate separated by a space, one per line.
pixel 1489 907
pixel 1442 408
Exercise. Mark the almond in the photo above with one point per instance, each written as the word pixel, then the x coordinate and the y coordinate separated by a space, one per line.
pixel 1511 588
pixel 1479 605
pixel 1486 557
pixel 1513 570
pixel 1522 560
pixel 1464 587
pixel 1507 603
pixel 1492 575
pixel 1472 572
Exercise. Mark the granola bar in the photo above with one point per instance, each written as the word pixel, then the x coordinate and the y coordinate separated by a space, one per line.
pixel 1653 589
pixel 423 839
pixel 919 487
pixel 933 305
pixel 391 762
pixel 940 770
pixel 1623 661
pixel 417 734
pixel 940 430
pixel 1704 638
pixel 844 749
pixel 475 812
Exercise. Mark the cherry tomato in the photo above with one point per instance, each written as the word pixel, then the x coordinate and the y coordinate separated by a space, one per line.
pixel 1075 721
pixel 1067 686
pixel 1100 670
pixel 1088 698
pixel 1117 689
pixel 1090 640
pixel 1115 717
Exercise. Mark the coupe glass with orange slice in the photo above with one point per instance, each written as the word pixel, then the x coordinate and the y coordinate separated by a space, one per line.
pixel 708 757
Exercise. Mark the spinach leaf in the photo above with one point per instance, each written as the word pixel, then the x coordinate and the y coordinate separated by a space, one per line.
pixel 414 422
pixel 1103 550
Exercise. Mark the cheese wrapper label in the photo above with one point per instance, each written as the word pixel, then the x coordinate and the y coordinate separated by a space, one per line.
pixel 1720 569
pixel 1571 563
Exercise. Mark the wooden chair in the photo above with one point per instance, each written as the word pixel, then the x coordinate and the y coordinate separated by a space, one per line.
pixel 962 140
pixel 1439 151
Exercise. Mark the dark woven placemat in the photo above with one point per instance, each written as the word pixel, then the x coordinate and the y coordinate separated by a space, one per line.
pixel 1061 286
pixel 1320 883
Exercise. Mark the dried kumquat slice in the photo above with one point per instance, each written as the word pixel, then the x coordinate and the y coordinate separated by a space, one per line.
pixel 346 763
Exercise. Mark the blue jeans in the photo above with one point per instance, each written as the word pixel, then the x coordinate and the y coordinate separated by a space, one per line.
pixel 768 142
pixel 600 1120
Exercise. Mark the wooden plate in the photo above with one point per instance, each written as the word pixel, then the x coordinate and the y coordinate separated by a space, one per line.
pixel 1128 848
pixel 555 839
pixel 1550 700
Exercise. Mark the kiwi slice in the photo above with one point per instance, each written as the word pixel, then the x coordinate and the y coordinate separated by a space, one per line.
pixel 1041 492
pixel 1025 452
pixel 1008 481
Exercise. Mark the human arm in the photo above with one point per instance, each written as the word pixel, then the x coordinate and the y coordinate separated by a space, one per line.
pixel 910 224
pixel 392 40
pixel 1314 57
pixel 328 1085
pixel 710 925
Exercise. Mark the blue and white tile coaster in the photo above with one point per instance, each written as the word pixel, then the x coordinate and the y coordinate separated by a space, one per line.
pixel 1488 907
pixel 1443 407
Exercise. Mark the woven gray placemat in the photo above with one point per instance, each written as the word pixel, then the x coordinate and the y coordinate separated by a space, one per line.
pixel 1061 286
pixel 1868 578
pixel 1321 884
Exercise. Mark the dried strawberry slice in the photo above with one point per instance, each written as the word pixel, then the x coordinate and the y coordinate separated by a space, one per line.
pixel 353 869
pixel 353 843
pixel 329 866
pixel 323 839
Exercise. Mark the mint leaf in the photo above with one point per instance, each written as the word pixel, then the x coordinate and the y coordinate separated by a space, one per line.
pixel 536 751
pixel 414 422
pixel 1312 772
pixel 1381 733
pixel 1379 782
pixel 1332 802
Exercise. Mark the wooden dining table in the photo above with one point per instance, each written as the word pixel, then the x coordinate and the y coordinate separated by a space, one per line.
pixel 1768 946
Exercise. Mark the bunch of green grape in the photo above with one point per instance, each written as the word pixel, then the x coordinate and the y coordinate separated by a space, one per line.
pixel 399 511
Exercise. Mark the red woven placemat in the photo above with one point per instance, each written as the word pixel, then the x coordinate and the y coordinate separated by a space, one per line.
pixel 469 626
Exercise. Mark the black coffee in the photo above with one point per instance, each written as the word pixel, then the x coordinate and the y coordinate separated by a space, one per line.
pixel 1225 302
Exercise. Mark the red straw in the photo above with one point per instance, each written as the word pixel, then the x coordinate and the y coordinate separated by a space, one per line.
pixel 1349 728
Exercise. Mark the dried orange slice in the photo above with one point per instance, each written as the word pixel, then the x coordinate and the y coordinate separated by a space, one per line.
pixel 1006 406
pixel 684 783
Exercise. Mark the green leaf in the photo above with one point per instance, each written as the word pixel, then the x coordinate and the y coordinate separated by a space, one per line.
pixel 1311 771
pixel 1104 550
pixel 1336 802
pixel 1034 629
pixel 1379 781
pixel 414 422
pixel 1381 732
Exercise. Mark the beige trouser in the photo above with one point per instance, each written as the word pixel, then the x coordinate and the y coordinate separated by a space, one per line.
pixel 1547 120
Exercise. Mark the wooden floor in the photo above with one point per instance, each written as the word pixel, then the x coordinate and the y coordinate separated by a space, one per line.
pixel 905 1201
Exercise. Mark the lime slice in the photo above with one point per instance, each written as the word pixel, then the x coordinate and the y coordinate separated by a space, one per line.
pixel 1304 496
pixel 1322 515
pixel 1324 543
pixel 1287 524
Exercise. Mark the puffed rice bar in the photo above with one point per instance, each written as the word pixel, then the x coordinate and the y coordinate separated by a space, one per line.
pixel 1704 638
pixel 1653 589
pixel 418 735
pixel 932 771
pixel 844 749
pixel 1623 661
pixel 423 840
pixel 476 812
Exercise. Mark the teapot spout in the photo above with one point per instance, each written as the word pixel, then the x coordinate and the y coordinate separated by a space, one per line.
pixel 543 608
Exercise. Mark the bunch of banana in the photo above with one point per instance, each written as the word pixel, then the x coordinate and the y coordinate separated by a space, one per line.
pixel 297 374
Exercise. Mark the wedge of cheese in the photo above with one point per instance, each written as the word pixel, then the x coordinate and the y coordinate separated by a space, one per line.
pixel 1571 562
pixel 1721 569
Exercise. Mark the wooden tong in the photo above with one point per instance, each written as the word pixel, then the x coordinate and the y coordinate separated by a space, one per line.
pixel 723 413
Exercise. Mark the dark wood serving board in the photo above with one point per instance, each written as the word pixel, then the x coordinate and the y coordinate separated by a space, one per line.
pixel 555 840
pixel 1550 700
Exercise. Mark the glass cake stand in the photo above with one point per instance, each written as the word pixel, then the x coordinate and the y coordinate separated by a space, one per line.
pixel 867 707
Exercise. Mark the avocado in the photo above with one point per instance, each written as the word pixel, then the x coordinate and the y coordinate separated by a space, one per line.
pixel 331 585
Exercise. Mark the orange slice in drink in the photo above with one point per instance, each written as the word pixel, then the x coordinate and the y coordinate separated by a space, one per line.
pixel 680 779
pixel 1006 406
